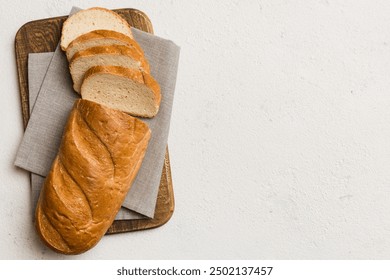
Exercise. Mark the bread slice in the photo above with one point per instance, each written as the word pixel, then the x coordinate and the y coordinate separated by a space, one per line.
pixel 129 90
pixel 92 19
pixel 115 55
pixel 100 38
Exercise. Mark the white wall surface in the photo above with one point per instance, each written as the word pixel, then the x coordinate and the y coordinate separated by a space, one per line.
pixel 280 135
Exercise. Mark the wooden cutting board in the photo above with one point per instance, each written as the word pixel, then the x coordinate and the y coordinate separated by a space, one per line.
pixel 43 36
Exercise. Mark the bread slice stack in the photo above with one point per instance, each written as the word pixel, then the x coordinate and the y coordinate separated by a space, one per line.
pixel 99 37
pixel 104 142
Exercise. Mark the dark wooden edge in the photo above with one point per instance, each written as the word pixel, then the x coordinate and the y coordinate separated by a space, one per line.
pixel 141 20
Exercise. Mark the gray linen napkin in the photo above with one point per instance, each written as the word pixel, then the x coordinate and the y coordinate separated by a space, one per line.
pixel 38 64
pixel 43 134
pixel 37 68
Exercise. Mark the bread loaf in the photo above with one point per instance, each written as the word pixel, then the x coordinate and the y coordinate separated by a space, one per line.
pixel 91 19
pixel 104 55
pixel 99 157
pixel 129 90
pixel 101 38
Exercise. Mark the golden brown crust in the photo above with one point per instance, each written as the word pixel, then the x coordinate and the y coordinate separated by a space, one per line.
pixel 112 50
pixel 102 34
pixel 124 22
pixel 133 74
pixel 129 73
pixel 100 154
pixel 153 85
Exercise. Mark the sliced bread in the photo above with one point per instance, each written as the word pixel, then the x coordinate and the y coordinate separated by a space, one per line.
pixel 115 55
pixel 91 19
pixel 129 90
pixel 100 38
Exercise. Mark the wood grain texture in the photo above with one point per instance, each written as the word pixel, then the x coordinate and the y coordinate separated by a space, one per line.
pixel 43 36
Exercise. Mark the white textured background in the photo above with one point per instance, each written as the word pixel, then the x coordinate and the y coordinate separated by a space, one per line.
pixel 280 138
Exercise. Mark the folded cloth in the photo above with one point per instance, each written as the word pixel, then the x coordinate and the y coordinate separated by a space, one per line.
pixel 43 134
pixel 37 68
